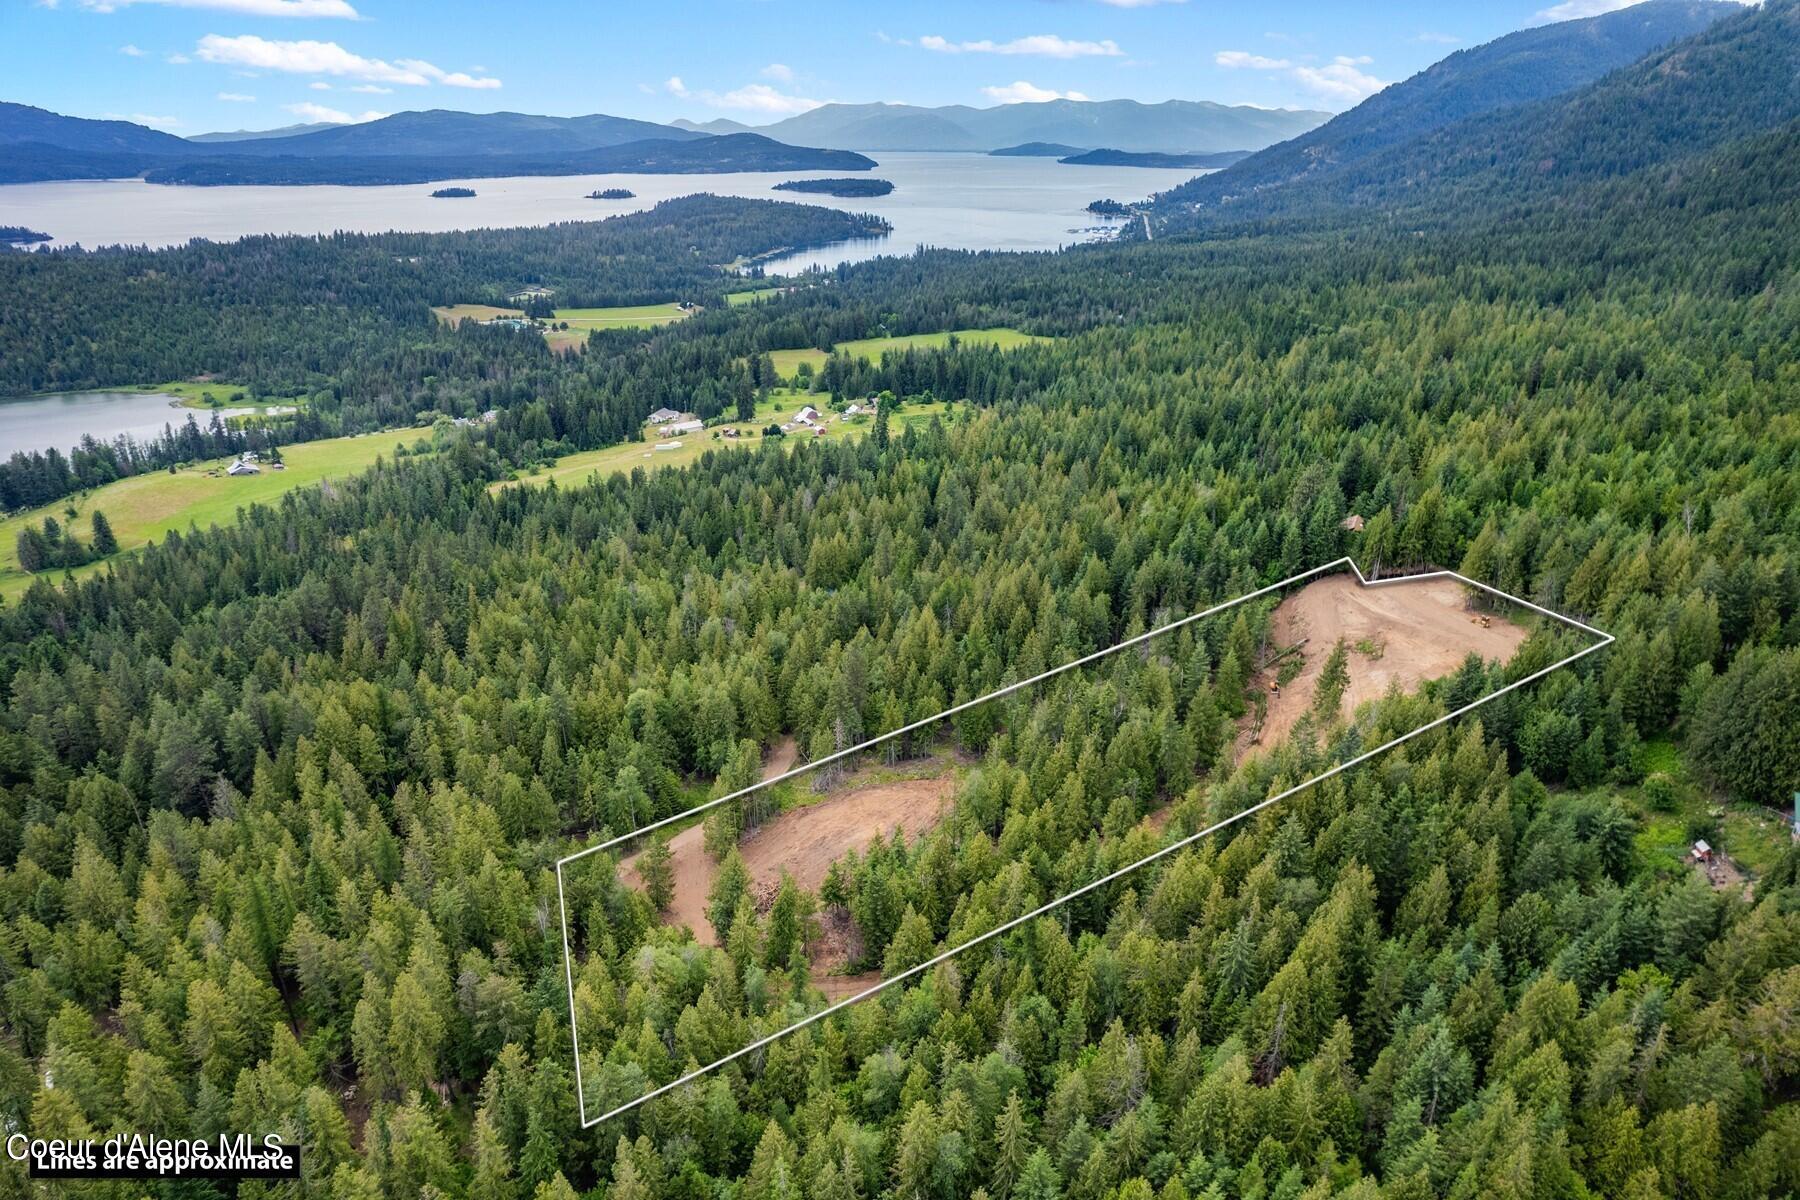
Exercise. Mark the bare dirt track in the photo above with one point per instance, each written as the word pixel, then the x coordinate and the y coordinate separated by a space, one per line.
pixel 804 841
pixel 1400 634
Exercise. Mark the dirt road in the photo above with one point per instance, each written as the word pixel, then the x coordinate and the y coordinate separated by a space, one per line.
pixel 1402 633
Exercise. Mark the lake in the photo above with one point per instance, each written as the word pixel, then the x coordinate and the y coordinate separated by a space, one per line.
pixel 949 201
pixel 952 201
pixel 46 422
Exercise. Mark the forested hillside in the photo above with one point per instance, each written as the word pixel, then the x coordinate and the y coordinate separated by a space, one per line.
pixel 1736 79
pixel 344 323
pixel 1521 67
pixel 281 801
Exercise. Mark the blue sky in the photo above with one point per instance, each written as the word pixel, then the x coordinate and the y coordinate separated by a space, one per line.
pixel 189 66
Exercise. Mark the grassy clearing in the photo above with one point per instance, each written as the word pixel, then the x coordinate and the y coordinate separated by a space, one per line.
pixel 752 296
pixel 634 316
pixel 1003 337
pixel 451 314
pixel 145 508
pixel 574 469
pixel 1753 835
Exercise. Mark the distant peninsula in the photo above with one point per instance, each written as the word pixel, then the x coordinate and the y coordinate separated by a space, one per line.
pixel 18 235
pixel 1038 150
pixel 612 194
pixel 653 156
pixel 453 193
pixel 1129 158
pixel 838 187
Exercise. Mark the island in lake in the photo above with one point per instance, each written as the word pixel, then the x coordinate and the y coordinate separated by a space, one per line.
pixel 651 156
pixel 1038 150
pixel 838 187
pixel 1109 208
pixel 453 193
pixel 612 194
pixel 18 235
pixel 1130 158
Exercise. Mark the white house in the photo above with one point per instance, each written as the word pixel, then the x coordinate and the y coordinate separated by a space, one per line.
pixel 807 413
pixel 662 416
pixel 688 426
pixel 534 292
pixel 240 467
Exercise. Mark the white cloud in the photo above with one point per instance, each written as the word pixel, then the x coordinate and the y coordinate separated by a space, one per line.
pixel 251 8
pixel 780 72
pixel 1572 10
pixel 237 98
pixel 131 51
pixel 329 58
pixel 1045 45
pixel 760 97
pixel 318 112
pixel 152 121
pixel 1021 92
pixel 373 89
pixel 752 97
pixel 1243 59
pixel 178 59
pixel 1341 80
pixel 319 85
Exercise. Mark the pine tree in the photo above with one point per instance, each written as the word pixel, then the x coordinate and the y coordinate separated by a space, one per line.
pixel 1334 677
pixel 104 542
pixel 656 868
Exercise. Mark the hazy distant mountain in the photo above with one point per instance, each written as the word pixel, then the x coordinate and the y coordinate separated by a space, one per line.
pixel 1173 126
pixel 716 125
pixel 250 135
pixel 1038 150
pixel 442 132
pixel 1519 68
pixel 21 123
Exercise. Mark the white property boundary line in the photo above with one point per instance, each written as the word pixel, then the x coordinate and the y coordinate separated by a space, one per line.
pixel 1606 639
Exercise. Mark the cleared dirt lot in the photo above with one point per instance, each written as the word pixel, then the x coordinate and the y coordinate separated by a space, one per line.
pixel 804 841
pixel 1402 633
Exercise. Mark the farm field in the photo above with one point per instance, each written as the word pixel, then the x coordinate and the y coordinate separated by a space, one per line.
pixel 1005 338
pixel 611 460
pixel 145 508
pixel 634 316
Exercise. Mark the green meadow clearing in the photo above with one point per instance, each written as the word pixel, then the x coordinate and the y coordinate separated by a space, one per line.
pixel 145 508
pixel 451 314
pixel 750 296
pixel 573 469
pixel 631 316
pixel 581 321
pixel 1005 338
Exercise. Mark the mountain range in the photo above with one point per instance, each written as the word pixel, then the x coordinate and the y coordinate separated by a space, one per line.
pixel 1492 107
pixel 409 147
pixel 1173 126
